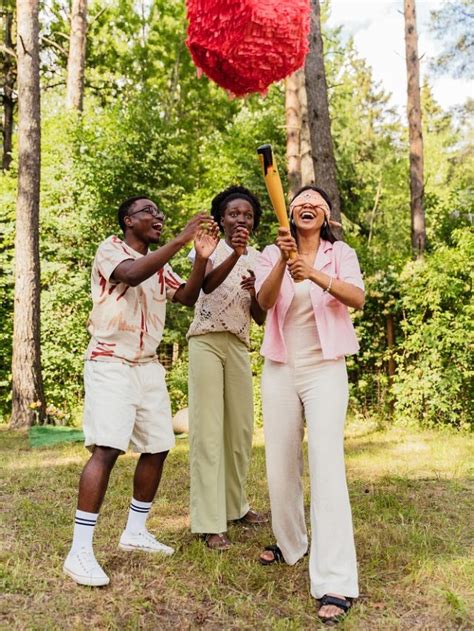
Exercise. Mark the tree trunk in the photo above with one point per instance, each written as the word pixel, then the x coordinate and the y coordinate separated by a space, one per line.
pixel 293 118
pixel 391 366
pixel 307 168
pixel 390 328
pixel 8 86
pixel 300 161
pixel 418 233
pixel 77 56
pixel 318 113
pixel 26 363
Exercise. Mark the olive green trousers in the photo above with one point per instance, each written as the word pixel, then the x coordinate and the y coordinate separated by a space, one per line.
pixel 220 428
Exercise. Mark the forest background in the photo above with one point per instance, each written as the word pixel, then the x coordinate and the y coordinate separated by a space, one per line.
pixel 150 126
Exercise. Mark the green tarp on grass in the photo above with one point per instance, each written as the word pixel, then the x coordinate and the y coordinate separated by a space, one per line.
pixel 49 435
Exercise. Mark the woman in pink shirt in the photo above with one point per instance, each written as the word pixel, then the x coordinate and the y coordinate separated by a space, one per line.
pixel 307 334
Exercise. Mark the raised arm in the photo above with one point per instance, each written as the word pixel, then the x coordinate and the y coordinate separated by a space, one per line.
pixel 346 292
pixel 270 289
pixel 256 311
pixel 204 244
pixel 133 272
pixel 217 275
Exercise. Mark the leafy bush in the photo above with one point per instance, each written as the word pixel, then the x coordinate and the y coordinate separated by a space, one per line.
pixel 368 370
pixel 7 237
pixel 433 385
pixel 177 382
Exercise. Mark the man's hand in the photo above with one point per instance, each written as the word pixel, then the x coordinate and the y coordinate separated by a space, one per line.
pixel 206 240
pixel 248 283
pixel 299 269
pixel 286 243
pixel 239 240
pixel 198 221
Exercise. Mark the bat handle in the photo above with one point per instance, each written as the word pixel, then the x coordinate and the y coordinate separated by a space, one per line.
pixel 292 256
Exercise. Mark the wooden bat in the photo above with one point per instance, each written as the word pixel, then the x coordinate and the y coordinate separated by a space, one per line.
pixel 274 187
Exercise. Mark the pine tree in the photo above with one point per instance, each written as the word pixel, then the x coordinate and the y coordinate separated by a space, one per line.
pixel 27 384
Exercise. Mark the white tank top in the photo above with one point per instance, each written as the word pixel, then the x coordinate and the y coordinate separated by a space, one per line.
pixel 300 330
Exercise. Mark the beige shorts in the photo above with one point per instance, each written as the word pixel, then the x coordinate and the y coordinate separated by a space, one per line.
pixel 127 405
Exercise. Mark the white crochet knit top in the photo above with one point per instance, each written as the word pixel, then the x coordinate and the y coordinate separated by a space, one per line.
pixel 227 308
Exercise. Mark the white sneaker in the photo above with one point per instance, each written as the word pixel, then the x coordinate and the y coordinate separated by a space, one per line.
pixel 143 540
pixel 81 566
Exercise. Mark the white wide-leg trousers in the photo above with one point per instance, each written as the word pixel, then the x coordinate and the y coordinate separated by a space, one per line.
pixel 316 390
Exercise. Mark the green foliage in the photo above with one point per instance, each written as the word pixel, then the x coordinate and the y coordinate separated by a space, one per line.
pixel 449 169
pixel 150 126
pixel 177 382
pixel 370 391
pixel 371 157
pixel 434 381
pixel 7 237
pixel 67 248
pixel 229 156
pixel 453 25
pixel 256 339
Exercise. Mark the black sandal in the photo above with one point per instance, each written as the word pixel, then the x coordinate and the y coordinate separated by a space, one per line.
pixel 343 603
pixel 277 555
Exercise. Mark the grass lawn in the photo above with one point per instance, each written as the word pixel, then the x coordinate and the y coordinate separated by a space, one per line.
pixel 412 503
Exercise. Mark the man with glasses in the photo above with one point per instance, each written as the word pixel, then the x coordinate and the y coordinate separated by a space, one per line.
pixel 126 400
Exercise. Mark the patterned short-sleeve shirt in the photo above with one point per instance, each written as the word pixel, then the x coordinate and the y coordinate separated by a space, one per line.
pixel 126 323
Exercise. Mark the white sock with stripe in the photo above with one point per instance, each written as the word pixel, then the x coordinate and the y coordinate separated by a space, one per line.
pixel 137 515
pixel 84 525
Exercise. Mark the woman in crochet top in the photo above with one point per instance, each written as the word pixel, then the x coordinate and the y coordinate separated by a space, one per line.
pixel 220 376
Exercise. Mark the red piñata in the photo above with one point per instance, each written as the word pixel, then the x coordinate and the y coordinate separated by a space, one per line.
pixel 245 45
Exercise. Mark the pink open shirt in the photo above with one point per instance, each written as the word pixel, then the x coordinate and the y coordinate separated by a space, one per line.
pixel 335 327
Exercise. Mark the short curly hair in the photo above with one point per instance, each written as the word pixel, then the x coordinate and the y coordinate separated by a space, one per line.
pixel 220 201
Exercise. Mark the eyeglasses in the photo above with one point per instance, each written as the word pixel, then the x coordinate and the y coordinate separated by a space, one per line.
pixel 150 211
pixel 308 205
